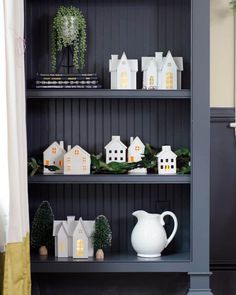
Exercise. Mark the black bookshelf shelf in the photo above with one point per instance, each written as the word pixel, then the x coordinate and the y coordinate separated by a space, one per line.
pixel 107 93
pixel 110 179
pixel 114 263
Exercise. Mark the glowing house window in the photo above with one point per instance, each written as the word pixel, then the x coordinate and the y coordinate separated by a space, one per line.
pixel 167 167
pixel 80 247
pixel 54 150
pixel 123 80
pixel 60 163
pixel 151 81
pixel 76 152
pixel 169 80
pixel 132 159
pixel 47 162
pixel 137 148
pixel 62 247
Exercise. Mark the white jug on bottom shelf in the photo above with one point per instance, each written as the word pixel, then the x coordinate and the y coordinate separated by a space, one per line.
pixel 148 237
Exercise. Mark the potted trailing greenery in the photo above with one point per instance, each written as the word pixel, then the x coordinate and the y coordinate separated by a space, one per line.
pixel 69 29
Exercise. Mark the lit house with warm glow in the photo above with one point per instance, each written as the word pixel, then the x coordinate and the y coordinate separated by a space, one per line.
pixel 166 160
pixel 164 73
pixel 123 72
pixel 54 155
pixel 77 161
pixel 73 238
pixel 135 153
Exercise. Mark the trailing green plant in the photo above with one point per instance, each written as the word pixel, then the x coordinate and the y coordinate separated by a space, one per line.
pixel 69 29
pixel 36 166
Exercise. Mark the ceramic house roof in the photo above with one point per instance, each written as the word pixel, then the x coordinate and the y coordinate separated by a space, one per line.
pixel 146 60
pixel 55 144
pixel 136 141
pixel 57 225
pixel 80 222
pixel 167 59
pixel 166 150
pixel 77 147
pixel 116 140
pixel 114 63
pixel 69 228
pixel 177 60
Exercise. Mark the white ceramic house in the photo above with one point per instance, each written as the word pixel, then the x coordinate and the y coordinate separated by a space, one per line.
pixel 115 150
pixel 77 161
pixel 123 72
pixel 135 153
pixel 73 238
pixel 54 155
pixel 166 160
pixel 163 73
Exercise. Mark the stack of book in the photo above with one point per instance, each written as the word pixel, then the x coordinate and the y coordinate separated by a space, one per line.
pixel 67 81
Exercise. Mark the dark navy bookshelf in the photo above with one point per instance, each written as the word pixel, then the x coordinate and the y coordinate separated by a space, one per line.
pixel 89 118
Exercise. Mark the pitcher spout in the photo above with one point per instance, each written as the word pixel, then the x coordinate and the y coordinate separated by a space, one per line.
pixel 139 213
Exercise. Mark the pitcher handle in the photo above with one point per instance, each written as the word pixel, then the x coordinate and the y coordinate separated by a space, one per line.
pixel 175 225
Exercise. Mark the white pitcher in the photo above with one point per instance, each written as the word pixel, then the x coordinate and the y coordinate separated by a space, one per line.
pixel 148 237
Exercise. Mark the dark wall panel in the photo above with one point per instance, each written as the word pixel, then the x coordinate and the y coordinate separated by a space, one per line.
pixel 113 26
pixel 91 123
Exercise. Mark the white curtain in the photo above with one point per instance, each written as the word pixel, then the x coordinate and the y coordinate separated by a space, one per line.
pixel 14 217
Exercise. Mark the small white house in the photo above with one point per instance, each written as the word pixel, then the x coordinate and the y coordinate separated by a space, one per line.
pixel 135 153
pixel 123 72
pixel 73 238
pixel 166 160
pixel 163 73
pixel 54 155
pixel 77 161
pixel 115 150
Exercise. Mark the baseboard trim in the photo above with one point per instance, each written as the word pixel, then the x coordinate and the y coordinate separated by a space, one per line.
pixel 222 114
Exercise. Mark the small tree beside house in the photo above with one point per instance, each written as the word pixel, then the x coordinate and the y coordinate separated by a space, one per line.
pixel 42 228
pixel 102 236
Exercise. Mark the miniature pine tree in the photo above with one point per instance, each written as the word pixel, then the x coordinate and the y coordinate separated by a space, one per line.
pixel 42 227
pixel 102 235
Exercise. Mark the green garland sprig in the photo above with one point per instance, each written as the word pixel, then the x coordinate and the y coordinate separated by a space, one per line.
pixel 36 166
pixel 76 37
pixel 148 161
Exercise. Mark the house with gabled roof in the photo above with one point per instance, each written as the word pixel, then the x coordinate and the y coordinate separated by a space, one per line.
pixel 123 72
pixel 73 238
pixel 135 154
pixel 54 155
pixel 115 150
pixel 77 161
pixel 168 74
pixel 166 161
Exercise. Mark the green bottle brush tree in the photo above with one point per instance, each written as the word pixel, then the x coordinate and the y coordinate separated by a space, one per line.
pixel 102 236
pixel 42 229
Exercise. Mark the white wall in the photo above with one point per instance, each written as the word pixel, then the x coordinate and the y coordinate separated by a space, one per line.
pixel 222 54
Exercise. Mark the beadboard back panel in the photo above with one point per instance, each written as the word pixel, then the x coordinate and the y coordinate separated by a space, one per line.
pixel 117 202
pixel 138 27
pixel 91 122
